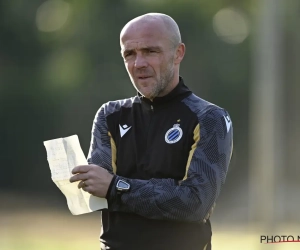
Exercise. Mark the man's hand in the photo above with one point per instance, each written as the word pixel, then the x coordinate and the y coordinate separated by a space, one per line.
pixel 93 179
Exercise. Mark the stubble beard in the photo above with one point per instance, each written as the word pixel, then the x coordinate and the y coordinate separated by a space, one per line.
pixel 161 84
pixel 164 81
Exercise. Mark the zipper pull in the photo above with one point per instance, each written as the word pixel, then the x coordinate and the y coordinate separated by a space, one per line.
pixel 151 106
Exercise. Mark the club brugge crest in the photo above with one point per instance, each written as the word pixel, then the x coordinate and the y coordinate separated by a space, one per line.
pixel 174 134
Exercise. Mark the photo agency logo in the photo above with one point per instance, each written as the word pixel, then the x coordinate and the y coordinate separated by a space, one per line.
pixel 272 239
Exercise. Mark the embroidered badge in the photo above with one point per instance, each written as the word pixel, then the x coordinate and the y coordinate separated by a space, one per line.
pixel 174 134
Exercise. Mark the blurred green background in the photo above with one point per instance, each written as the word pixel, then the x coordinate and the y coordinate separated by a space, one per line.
pixel 60 61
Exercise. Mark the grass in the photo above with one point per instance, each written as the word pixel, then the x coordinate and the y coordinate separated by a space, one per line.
pixel 42 228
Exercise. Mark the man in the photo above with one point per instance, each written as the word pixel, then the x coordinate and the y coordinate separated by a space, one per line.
pixel 163 154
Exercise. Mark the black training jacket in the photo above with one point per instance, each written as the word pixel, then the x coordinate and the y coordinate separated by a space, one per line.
pixel 175 153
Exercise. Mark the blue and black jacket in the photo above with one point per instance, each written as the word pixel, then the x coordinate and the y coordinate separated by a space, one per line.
pixel 175 152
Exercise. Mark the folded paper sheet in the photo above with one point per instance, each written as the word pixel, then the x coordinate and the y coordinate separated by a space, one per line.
pixel 63 155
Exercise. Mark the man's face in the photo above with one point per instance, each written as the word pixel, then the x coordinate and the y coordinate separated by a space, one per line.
pixel 149 58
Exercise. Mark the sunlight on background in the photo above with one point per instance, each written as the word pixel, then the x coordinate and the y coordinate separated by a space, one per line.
pixel 52 15
pixel 231 25
pixel 66 68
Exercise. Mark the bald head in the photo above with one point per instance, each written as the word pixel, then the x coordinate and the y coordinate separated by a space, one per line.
pixel 165 23
pixel 152 51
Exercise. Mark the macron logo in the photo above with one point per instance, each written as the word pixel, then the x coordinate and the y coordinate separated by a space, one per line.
pixel 228 122
pixel 123 129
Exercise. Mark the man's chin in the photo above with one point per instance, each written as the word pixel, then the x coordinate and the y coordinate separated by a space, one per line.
pixel 145 92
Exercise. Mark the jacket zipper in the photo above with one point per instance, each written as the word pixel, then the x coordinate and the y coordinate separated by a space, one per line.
pixel 149 127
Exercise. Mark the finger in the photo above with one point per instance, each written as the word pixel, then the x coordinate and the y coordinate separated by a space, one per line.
pixel 87 189
pixel 78 177
pixel 82 184
pixel 81 169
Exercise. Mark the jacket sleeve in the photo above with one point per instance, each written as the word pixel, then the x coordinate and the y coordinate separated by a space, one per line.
pixel 192 198
pixel 102 148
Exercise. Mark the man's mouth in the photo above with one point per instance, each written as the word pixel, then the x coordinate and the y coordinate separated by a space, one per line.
pixel 144 77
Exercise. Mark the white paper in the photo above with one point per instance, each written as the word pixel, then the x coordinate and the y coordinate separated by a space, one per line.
pixel 63 154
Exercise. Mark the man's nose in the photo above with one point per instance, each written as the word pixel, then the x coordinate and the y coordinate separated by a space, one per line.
pixel 140 61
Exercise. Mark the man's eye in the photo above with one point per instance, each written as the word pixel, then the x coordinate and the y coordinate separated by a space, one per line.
pixel 127 54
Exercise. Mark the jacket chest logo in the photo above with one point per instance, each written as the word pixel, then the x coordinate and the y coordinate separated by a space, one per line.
pixel 174 134
pixel 123 129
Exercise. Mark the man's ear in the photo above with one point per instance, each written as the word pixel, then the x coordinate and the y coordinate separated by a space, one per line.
pixel 180 52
